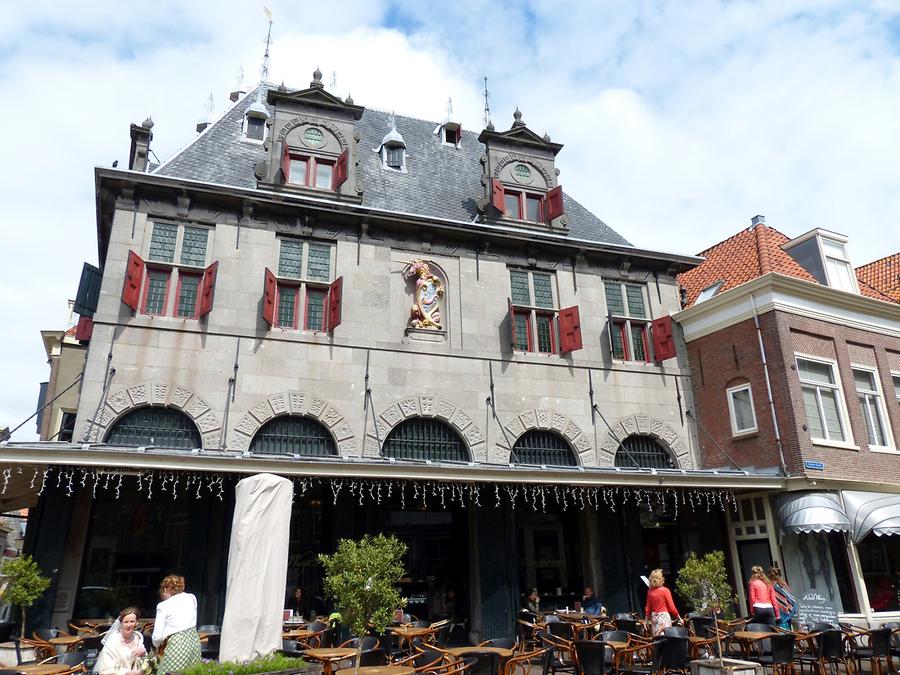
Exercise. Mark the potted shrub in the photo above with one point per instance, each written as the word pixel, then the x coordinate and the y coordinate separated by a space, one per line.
pixel 24 584
pixel 361 578
pixel 274 663
pixel 703 584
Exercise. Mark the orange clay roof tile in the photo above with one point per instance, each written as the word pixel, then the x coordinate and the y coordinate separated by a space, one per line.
pixel 881 278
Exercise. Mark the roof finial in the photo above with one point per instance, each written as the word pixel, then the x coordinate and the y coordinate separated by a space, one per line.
pixel 264 71
pixel 212 104
pixel 147 123
pixel 317 79
pixel 449 109
pixel 349 99
pixel 487 107
pixel 517 117
pixel 334 80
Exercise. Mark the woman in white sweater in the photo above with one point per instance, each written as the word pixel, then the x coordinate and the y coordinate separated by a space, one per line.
pixel 175 630
pixel 123 646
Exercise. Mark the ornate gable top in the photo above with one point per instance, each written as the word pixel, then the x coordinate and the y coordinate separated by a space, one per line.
pixel 315 96
pixel 520 134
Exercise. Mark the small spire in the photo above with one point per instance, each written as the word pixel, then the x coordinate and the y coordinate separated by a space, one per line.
pixel 546 137
pixel 348 100
pixel 517 117
pixel 317 79
pixel 487 107
pixel 282 87
pixel 264 70
pixel 490 126
pixel 449 109
pixel 334 79
pixel 147 123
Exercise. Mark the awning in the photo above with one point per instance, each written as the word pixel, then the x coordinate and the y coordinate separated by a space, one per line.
pixel 872 512
pixel 812 512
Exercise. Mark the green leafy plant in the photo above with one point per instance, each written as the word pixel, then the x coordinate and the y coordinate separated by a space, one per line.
pixel 703 584
pixel 361 577
pixel 273 663
pixel 24 583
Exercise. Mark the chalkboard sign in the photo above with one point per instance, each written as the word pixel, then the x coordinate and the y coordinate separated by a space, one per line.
pixel 813 608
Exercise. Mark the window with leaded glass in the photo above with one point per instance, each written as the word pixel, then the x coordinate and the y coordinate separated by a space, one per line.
pixel 626 304
pixel 188 287
pixel 294 435
pixel 871 405
pixel 154 426
pixel 193 246
pixel 540 447
pixel 175 261
pixel 643 452
pixel 425 438
pixel 530 293
pixel 162 242
pixel 156 292
pixel 822 399
pixel 304 271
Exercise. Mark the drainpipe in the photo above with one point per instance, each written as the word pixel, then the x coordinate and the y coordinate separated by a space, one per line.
pixel 765 365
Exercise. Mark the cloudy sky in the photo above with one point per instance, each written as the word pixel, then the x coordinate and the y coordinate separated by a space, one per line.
pixel 681 119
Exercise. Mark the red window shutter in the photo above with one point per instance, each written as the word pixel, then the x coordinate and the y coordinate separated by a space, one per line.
pixel 285 162
pixel 663 341
pixel 459 133
pixel 569 330
pixel 270 291
pixel 335 293
pixel 341 170
pixel 497 195
pixel 84 329
pixel 207 290
pixel 134 275
pixel 512 323
pixel 554 203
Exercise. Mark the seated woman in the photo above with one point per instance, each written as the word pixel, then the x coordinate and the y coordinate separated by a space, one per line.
pixel 123 646
pixel 175 631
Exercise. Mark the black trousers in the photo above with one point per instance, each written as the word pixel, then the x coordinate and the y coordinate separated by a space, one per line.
pixel 763 615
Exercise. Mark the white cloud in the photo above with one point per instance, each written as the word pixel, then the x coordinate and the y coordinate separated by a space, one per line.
pixel 680 120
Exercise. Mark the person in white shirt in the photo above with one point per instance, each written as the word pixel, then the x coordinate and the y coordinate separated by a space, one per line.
pixel 175 631
pixel 123 646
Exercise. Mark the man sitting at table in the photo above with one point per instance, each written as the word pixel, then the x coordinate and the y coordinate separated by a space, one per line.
pixel 590 604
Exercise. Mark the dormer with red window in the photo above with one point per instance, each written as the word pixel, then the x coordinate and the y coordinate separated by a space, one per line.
pixel 520 178
pixel 314 147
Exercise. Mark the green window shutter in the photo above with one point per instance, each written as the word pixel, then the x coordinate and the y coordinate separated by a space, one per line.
pixel 543 294
pixel 162 242
pixel 539 447
pixel 193 246
pixel 614 303
pixel 422 438
pixel 518 283
pixel 159 427
pixel 293 435
pixel 318 262
pixel 635 295
pixel 289 258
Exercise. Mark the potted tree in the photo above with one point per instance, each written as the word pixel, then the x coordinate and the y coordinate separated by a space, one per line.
pixel 24 584
pixel 361 578
pixel 703 584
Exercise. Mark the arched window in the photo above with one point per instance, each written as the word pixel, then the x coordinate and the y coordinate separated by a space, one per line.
pixel 420 438
pixel 644 452
pixel 293 435
pixel 542 447
pixel 160 427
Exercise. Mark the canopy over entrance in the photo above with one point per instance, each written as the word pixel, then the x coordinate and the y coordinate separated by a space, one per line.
pixel 872 512
pixel 812 512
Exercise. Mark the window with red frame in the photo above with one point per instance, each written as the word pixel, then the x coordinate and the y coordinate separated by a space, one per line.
pixel 314 172
pixel 303 282
pixel 524 206
pixel 532 292
pixel 628 321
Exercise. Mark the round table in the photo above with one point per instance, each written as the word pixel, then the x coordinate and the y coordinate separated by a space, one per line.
pixel 408 633
pixel 746 638
pixel 502 652
pixel 299 634
pixel 40 669
pixel 64 642
pixel 326 655
pixel 379 670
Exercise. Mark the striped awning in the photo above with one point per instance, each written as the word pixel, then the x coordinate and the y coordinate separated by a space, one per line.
pixel 872 512
pixel 812 512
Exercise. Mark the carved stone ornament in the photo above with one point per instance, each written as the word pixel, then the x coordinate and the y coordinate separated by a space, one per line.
pixel 428 296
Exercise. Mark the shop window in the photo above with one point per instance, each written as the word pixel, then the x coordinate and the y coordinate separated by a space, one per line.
pixel 871 404
pixel 152 426
pixel 425 439
pixel 539 447
pixel 740 409
pixel 822 400
pixel 643 452
pixel 293 435
pixel 879 558
pixel 304 297
pixel 629 321
pixel 535 323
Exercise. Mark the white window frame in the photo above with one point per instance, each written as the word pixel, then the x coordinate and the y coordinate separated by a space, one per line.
pixel 730 392
pixel 878 393
pixel 895 380
pixel 245 126
pixel 845 259
pixel 710 291
pixel 457 133
pixel 841 402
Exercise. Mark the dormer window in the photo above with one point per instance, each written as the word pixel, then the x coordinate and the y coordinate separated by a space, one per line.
pixel 256 129
pixel 311 163
pixel 393 150
pixel 837 265
pixel 709 292
pixel 824 255
pixel 311 172
pixel 524 206
pixel 394 156
pixel 451 133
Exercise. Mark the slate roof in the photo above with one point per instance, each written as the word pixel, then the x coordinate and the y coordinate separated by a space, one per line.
pixel 749 254
pixel 441 181
pixel 881 278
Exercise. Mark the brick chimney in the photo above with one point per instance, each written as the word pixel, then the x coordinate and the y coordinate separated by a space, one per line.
pixel 140 145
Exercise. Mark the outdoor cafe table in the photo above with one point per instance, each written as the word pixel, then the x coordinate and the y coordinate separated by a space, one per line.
pixel 379 670
pixel 746 638
pixel 327 655
pixel 64 642
pixel 298 634
pixel 40 668
pixel 408 633
pixel 502 652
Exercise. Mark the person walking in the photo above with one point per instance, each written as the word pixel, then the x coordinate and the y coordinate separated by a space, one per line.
pixel 660 608
pixel 175 630
pixel 784 598
pixel 761 597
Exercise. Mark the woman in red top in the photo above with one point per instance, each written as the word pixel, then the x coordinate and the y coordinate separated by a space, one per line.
pixel 761 597
pixel 660 608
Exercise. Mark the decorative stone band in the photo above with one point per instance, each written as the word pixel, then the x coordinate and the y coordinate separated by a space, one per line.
pixel 647 426
pixel 154 394
pixel 551 420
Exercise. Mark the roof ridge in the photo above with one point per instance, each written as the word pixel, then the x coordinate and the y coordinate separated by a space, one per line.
pixel 763 259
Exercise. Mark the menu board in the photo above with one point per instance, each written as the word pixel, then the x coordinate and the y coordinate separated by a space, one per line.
pixel 813 607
